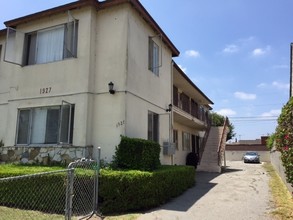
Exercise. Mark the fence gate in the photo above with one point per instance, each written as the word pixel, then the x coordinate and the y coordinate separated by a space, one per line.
pixel 82 189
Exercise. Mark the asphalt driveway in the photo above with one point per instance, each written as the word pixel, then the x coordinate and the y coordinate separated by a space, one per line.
pixel 242 192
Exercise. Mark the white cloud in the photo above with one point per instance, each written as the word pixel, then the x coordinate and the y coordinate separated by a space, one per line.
pixel 192 53
pixel 184 69
pixel 262 85
pixel 246 40
pixel 279 85
pixel 272 113
pixel 232 48
pixel 244 96
pixel 238 45
pixel 226 112
pixel 274 85
pixel 261 51
pixel 281 66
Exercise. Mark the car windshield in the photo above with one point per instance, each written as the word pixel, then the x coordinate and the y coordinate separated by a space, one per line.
pixel 251 153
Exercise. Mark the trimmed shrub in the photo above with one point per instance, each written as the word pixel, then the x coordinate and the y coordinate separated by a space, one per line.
pixel 137 154
pixel 44 193
pixel 121 191
pixel 33 193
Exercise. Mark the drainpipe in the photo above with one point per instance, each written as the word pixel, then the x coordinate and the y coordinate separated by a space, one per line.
pixel 171 114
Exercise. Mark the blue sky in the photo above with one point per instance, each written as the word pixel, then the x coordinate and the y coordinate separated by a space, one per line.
pixel 236 51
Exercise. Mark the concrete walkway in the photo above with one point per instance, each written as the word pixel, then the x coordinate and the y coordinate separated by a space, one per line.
pixel 241 192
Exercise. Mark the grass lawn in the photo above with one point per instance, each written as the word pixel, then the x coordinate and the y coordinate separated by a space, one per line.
pixel 14 170
pixel 281 196
pixel 10 213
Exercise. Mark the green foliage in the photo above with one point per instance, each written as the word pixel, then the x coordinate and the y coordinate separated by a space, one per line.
pixel 1 143
pixel 7 170
pixel 34 192
pixel 219 120
pixel 270 141
pixel 121 191
pixel 137 154
pixel 284 139
pixel 45 193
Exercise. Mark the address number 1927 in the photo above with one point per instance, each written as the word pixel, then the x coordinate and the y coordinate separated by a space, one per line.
pixel 45 90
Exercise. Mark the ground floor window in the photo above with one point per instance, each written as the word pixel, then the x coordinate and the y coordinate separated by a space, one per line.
pixel 153 126
pixel 186 141
pixel 175 138
pixel 45 125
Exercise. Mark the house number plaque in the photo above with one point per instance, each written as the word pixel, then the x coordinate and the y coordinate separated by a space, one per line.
pixel 45 90
pixel 120 123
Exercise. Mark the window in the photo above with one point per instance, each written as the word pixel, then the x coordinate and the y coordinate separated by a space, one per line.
pixel 175 96
pixel 45 125
pixel 51 44
pixel 175 138
pixel 186 141
pixel 194 108
pixel 154 52
pixel 153 126
pixel 184 99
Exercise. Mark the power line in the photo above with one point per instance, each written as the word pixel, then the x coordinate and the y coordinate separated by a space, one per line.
pixel 253 117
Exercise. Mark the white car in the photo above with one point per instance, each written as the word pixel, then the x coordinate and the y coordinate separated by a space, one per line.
pixel 251 157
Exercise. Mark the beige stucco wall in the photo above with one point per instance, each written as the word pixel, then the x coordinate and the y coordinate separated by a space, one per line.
pixel 180 155
pixel 68 79
pixel 4 85
pixel 112 46
pixel 146 91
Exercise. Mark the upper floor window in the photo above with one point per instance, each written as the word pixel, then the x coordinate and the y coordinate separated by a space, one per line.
pixel 45 125
pixel 51 44
pixel 154 58
pixel 153 126
pixel 42 46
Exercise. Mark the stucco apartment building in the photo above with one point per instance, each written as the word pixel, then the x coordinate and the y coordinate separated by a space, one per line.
pixel 80 75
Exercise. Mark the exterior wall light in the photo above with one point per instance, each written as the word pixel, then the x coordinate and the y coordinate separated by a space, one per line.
pixel 169 108
pixel 111 88
pixel 201 134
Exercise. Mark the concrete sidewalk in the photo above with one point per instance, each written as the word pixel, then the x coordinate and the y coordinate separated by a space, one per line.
pixel 241 192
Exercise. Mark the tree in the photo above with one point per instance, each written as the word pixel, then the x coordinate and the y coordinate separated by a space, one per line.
pixel 219 120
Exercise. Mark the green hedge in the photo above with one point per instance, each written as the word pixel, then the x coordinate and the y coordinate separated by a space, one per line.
pixel 44 193
pixel 137 154
pixel 121 191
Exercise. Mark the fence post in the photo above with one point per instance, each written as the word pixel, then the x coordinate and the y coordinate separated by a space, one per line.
pixel 69 192
pixel 96 196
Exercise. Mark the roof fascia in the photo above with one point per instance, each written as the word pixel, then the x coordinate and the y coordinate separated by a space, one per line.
pixel 3 32
pixel 98 5
pixel 52 11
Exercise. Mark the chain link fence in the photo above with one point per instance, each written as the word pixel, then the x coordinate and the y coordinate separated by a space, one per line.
pixel 68 194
